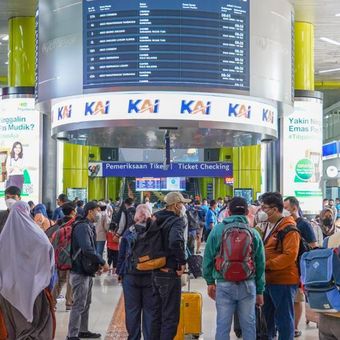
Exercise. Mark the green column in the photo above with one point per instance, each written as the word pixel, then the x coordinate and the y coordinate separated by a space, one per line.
pixel 247 168
pixel 21 51
pixel 75 173
pixel 221 189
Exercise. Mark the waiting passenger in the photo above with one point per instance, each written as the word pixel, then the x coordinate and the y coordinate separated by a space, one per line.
pixel 291 204
pixel 235 292
pixel 102 227
pixel 41 218
pixel 137 285
pixel 211 218
pixel 81 277
pixel 282 275
pixel 62 198
pixel 167 280
pixel 12 195
pixel 25 305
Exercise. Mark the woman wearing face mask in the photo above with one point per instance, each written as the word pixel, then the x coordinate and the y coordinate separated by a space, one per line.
pixel 137 285
pixel 25 307
pixel 15 167
pixel 327 222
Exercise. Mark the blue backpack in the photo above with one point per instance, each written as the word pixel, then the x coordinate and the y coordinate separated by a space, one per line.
pixel 320 275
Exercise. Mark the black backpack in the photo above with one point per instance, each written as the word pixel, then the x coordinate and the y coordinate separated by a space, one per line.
pixel 303 246
pixel 149 251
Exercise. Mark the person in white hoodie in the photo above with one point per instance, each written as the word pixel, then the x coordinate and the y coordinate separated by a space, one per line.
pixel 102 227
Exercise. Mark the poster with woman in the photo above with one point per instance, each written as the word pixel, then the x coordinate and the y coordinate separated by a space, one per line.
pixel 20 148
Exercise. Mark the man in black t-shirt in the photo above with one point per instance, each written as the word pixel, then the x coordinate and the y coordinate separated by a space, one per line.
pixel 307 233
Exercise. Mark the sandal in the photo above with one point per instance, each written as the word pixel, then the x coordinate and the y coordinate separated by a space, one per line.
pixel 297 333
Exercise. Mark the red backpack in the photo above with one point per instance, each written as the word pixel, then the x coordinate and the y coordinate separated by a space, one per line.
pixel 61 242
pixel 235 259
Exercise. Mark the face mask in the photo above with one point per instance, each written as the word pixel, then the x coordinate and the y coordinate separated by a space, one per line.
pixel 327 222
pixel 183 211
pixel 96 217
pixel 285 213
pixel 10 202
pixel 262 216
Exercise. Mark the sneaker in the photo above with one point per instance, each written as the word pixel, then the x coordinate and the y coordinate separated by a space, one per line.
pixel 89 335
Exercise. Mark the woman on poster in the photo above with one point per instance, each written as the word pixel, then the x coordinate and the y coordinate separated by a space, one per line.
pixel 15 167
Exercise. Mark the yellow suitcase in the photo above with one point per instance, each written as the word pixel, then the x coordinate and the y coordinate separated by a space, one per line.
pixel 180 327
pixel 192 313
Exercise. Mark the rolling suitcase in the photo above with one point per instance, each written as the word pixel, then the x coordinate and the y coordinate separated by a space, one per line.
pixel 180 327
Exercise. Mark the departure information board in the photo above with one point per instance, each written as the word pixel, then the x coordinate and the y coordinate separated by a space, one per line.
pixel 166 43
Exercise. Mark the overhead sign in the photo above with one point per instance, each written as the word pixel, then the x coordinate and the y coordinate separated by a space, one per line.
pixel 20 163
pixel 140 169
pixel 302 155
pixel 158 106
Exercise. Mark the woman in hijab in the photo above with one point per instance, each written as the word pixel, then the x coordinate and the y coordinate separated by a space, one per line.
pixel 327 222
pixel 26 268
pixel 41 218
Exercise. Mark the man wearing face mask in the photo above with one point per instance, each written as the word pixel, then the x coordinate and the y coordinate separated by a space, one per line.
pixel 167 280
pixel 83 244
pixel 282 275
pixel 12 194
pixel 291 204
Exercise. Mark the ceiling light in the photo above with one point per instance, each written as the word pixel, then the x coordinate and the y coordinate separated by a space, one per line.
pixel 330 70
pixel 6 62
pixel 337 15
pixel 5 37
pixel 331 41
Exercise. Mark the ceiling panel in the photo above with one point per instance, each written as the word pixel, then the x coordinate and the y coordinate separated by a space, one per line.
pixel 322 13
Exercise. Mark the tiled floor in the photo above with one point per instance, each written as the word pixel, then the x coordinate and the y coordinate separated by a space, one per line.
pixel 106 293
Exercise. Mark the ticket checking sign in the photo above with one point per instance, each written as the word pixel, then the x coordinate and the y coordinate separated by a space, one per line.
pixel 179 106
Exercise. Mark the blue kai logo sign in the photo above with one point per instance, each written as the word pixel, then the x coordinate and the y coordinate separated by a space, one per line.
pixel 239 110
pixel 195 107
pixel 268 116
pixel 143 106
pixel 64 112
pixel 97 108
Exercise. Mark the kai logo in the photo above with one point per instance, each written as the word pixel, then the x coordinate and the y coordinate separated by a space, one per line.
pixel 268 116
pixel 64 112
pixel 239 110
pixel 97 108
pixel 195 106
pixel 142 106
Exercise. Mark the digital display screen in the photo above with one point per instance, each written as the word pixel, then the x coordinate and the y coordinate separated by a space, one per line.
pixel 247 194
pixel 330 150
pixel 169 42
pixel 161 184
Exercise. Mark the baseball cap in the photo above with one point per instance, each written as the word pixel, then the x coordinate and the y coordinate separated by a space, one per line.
pixel 238 206
pixel 175 197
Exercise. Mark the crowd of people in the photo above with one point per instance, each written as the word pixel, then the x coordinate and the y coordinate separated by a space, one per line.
pixel 251 258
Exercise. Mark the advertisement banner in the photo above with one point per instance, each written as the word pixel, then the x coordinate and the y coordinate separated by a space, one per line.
pixel 302 155
pixel 140 169
pixel 20 148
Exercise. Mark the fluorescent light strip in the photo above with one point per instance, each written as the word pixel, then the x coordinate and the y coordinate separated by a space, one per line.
pixel 330 70
pixel 330 41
